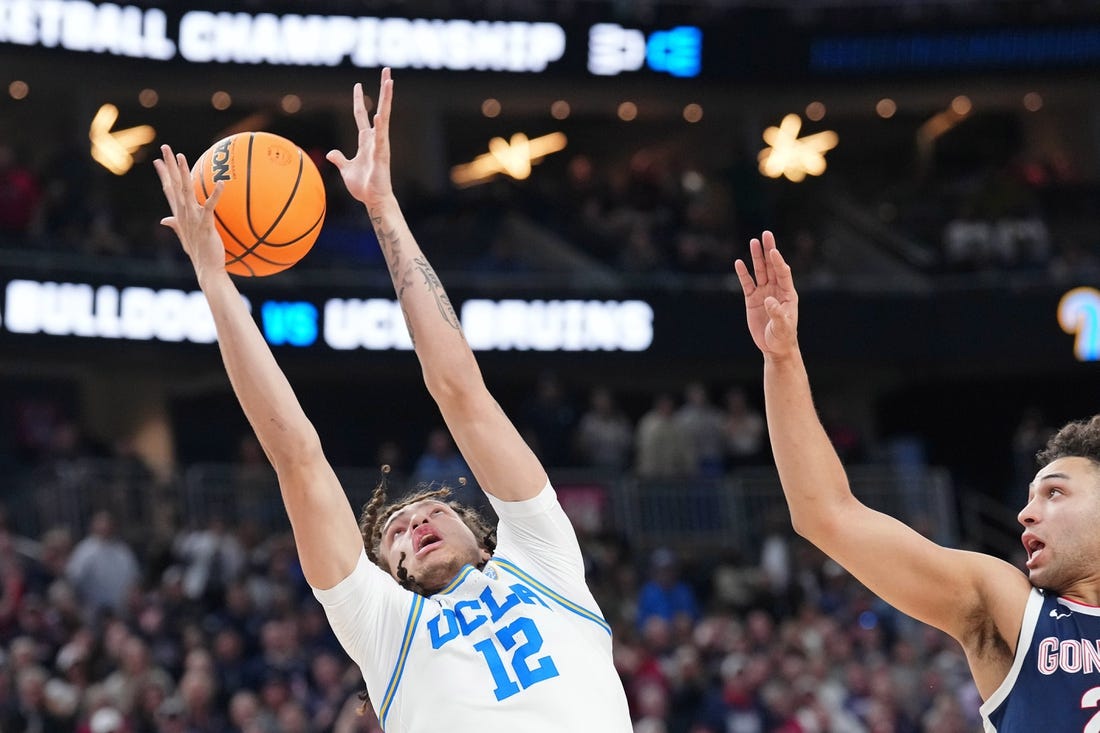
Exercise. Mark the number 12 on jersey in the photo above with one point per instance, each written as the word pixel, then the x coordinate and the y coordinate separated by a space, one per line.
pixel 525 673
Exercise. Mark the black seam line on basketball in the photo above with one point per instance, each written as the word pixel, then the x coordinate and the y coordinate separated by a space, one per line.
pixel 262 238
pixel 257 255
pixel 242 261
pixel 245 249
pixel 276 245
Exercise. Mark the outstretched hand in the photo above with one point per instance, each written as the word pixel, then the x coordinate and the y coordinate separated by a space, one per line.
pixel 771 302
pixel 367 175
pixel 192 222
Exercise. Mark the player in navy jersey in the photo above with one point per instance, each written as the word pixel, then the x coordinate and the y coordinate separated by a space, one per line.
pixel 453 626
pixel 1032 641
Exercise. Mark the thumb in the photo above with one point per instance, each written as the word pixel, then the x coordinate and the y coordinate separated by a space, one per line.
pixel 212 202
pixel 336 158
pixel 772 306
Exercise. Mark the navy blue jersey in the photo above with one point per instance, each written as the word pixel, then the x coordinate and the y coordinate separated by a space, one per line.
pixel 1054 683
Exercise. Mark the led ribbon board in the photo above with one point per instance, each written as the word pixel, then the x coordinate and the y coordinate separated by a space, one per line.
pixel 138 313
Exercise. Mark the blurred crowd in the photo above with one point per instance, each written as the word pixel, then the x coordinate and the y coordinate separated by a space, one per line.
pixel 217 631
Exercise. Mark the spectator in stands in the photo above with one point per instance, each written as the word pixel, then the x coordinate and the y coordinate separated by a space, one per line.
pixel 102 568
pixel 136 669
pixel 14 582
pixel 55 547
pixel 197 692
pixel 548 420
pixel 604 435
pixel 172 716
pixel 440 463
pixel 662 448
pixel 247 714
pixel 29 710
pixel 211 557
pixel 666 595
pixel 143 717
pixel 745 431
pixel 702 425
pixel 328 689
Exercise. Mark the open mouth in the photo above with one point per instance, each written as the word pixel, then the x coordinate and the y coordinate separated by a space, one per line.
pixel 1034 549
pixel 426 542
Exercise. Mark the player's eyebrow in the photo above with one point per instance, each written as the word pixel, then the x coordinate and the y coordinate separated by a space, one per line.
pixel 1056 474
pixel 404 510
pixel 389 520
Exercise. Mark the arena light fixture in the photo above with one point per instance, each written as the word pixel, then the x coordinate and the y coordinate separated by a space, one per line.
pixel 115 150
pixel 792 156
pixel 512 157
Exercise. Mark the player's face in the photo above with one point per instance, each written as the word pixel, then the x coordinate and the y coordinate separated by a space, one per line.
pixel 1060 518
pixel 434 541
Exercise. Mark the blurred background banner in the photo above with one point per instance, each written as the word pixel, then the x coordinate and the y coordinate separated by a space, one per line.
pixel 982 328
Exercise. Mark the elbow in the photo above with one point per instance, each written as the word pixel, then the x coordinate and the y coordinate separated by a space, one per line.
pixel 817 527
pixel 806 529
pixel 292 452
pixel 800 527
pixel 455 381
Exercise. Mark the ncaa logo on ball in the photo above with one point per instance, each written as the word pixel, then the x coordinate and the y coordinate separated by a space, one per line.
pixel 219 161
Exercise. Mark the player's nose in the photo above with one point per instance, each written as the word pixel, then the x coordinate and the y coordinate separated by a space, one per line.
pixel 1029 515
pixel 419 516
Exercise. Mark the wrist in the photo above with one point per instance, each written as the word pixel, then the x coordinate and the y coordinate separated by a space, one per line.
pixel 211 275
pixel 790 357
pixel 381 205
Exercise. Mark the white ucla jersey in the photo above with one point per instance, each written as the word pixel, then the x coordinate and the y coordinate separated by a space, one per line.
pixel 517 646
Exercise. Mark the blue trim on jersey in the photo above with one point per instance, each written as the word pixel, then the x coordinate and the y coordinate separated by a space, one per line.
pixel 399 667
pixel 453 585
pixel 513 569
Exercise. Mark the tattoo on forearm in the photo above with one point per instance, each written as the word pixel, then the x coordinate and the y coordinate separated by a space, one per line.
pixel 385 238
pixel 436 287
pixel 388 240
pixel 408 324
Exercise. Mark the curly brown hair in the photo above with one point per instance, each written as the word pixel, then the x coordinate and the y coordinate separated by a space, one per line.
pixel 377 511
pixel 1080 438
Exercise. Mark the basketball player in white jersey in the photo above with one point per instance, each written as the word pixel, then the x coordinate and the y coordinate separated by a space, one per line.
pixel 453 629
pixel 1032 641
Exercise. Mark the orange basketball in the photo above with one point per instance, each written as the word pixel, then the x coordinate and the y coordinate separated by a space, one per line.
pixel 273 205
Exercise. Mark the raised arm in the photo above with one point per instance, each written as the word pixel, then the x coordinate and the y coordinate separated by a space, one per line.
pixel 325 529
pixel 501 461
pixel 958 592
